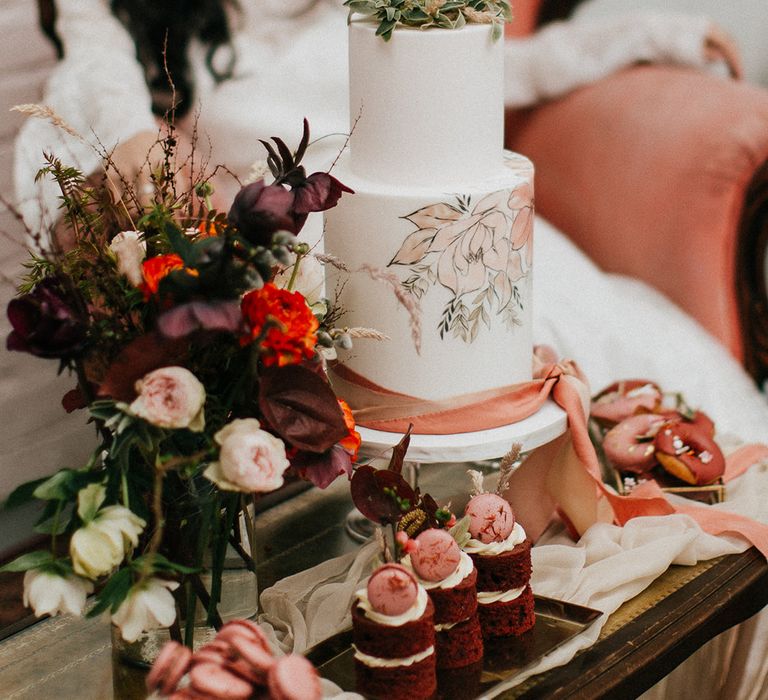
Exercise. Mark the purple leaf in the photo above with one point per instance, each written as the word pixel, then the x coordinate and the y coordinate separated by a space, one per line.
pixel 301 407
pixel 200 315
pixel 320 191
pixel 368 494
pixel 322 469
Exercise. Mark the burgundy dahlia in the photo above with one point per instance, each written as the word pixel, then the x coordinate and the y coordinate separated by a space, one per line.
pixel 258 211
pixel 44 323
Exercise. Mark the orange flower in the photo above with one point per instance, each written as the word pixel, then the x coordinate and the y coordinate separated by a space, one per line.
pixel 351 443
pixel 291 337
pixel 155 269
pixel 207 229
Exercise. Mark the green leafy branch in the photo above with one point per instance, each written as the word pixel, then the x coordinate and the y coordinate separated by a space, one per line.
pixel 442 14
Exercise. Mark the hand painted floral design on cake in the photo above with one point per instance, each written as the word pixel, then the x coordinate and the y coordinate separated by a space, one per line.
pixel 480 252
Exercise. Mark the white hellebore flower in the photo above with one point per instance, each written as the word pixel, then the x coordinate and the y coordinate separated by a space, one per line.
pixel 48 593
pixel 310 279
pixel 148 606
pixel 250 459
pixel 170 397
pixel 129 249
pixel 106 536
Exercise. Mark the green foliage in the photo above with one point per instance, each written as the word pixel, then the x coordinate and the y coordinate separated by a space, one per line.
pixel 31 560
pixel 441 14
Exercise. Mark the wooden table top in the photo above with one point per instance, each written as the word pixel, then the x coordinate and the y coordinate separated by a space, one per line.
pixel 642 642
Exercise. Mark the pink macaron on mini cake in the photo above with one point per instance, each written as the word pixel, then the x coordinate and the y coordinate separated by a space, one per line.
pixel 449 577
pixel 394 636
pixel 502 555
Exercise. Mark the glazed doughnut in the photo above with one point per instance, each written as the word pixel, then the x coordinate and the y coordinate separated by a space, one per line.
pixel 686 451
pixel 698 418
pixel 629 444
pixel 625 398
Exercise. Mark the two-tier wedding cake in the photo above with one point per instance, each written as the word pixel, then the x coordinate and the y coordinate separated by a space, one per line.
pixel 440 208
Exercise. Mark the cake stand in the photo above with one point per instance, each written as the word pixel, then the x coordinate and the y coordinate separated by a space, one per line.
pixel 548 423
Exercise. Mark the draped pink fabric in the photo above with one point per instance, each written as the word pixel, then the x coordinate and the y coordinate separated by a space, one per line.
pixel 561 477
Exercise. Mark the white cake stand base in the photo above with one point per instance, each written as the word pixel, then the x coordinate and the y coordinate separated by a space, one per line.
pixel 548 423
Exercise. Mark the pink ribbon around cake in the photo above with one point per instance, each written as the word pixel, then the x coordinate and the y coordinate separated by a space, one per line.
pixel 562 476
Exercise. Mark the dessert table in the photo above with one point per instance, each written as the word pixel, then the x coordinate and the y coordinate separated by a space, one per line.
pixel 641 642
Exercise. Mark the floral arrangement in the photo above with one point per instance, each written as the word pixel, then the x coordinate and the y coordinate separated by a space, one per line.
pixel 443 14
pixel 197 341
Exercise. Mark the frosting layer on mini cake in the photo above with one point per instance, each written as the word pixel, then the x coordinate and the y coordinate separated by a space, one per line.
pixel 440 210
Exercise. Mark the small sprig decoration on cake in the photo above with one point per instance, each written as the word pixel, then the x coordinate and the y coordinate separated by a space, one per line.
pixel 441 14
pixel 386 498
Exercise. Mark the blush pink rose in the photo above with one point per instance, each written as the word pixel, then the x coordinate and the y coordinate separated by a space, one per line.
pixel 170 397
pixel 251 460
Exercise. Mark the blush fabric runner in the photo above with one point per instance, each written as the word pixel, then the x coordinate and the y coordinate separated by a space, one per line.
pixel 562 477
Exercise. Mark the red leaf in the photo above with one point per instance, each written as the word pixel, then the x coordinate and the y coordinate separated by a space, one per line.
pixel 301 407
pixel 142 355
pixel 367 490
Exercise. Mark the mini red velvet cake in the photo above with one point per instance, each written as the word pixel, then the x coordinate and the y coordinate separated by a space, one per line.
pixel 394 637
pixel 502 556
pixel 449 577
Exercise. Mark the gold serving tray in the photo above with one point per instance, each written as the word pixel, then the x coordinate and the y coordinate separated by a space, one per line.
pixel 556 623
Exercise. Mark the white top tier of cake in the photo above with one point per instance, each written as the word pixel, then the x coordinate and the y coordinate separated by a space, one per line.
pixel 427 106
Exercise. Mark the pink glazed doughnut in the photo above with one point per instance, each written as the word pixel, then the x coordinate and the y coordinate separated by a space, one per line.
pixel 490 518
pixel 629 444
pixel 170 666
pixel 392 589
pixel 623 399
pixel 437 555
pixel 687 452
pixel 293 677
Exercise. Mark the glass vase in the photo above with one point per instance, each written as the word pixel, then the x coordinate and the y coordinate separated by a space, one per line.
pixel 238 599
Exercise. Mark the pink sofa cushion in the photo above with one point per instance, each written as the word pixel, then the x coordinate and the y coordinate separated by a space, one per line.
pixel 524 18
pixel 646 171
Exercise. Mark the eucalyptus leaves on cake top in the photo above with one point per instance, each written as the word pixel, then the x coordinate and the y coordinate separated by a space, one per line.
pixel 442 14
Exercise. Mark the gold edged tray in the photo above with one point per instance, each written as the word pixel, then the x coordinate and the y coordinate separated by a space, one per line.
pixel 556 623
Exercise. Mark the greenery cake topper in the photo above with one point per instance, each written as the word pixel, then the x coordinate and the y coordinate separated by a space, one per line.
pixel 444 14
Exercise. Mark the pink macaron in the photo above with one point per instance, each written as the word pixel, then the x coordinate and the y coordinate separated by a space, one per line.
pixel 629 444
pixel 437 555
pixel 253 653
pixel 170 666
pixel 490 518
pixel 392 589
pixel 211 680
pixel 293 677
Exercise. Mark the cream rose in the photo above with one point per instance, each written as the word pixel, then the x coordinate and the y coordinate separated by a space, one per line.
pixel 148 606
pixel 170 397
pixel 129 250
pixel 106 536
pixel 48 593
pixel 250 459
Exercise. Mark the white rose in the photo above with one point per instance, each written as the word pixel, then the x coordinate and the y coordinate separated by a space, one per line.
pixel 48 593
pixel 170 397
pixel 310 279
pixel 250 459
pixel 148 606
pixel 101 544
pixel 129 250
